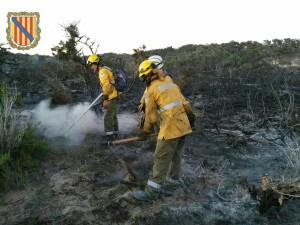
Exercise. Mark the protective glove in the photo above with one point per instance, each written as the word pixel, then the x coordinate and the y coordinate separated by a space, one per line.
pixel 143 135
pixel 104 97
pixel 106 104
pixel 141 107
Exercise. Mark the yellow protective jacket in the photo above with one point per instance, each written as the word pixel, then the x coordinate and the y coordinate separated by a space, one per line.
pixel 107 79
pixel 165 99
pixel 166 78
pixel 142 101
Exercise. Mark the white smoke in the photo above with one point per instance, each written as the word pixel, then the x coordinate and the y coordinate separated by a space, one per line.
pixel 56 122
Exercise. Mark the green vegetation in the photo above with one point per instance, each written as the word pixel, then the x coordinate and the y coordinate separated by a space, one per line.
pixel 67 50
pixel 21 149
pixel 261 78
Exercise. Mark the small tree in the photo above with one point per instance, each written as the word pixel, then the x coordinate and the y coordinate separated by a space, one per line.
pixel 70 50
pixel 139 54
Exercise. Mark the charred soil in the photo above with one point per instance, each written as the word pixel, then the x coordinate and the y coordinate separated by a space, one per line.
pixel 88 184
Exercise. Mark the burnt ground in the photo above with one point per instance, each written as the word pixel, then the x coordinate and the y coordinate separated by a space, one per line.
pixel 87 184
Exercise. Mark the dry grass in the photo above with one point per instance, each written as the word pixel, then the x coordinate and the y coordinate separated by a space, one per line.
pixel 12 126
pixel 292 152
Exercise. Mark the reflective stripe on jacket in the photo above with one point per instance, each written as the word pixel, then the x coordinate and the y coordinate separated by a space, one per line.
pixel 166 78
pixel 106 79
pixel 165 99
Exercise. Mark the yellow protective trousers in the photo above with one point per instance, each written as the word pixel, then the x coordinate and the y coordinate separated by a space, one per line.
pixel 167 162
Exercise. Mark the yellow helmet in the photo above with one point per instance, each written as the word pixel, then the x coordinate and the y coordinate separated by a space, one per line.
pixel 146 67
pixel 93 59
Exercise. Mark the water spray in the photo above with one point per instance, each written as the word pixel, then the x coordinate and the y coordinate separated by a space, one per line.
pixel 93 103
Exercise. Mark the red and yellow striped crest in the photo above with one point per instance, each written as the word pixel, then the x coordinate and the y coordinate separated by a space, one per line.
pixel 23 30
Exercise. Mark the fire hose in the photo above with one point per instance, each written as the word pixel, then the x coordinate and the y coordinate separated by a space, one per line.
pixel 93 103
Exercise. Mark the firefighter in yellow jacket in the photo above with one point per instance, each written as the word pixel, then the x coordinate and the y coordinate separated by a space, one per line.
pixel 110 97
pixel 164 99
pixel 158 62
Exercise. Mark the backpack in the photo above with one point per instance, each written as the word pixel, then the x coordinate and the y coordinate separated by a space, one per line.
pixel 120 81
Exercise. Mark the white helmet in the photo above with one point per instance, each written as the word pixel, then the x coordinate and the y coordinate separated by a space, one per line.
pixel 157 60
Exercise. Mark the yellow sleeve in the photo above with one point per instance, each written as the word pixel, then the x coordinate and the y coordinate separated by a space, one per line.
pixel 150 114
pixel 142 101
pixel 187 108
pixel 107 87
pixel 186 104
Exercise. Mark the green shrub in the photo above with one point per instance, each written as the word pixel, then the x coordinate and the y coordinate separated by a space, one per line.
pixel 33 149
pixel 59 93
pixel 15 168
pixel 12 176
pixel 4 158
pixel 21 149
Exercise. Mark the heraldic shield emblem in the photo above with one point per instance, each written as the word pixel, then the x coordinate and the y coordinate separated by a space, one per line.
pixel 23 30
